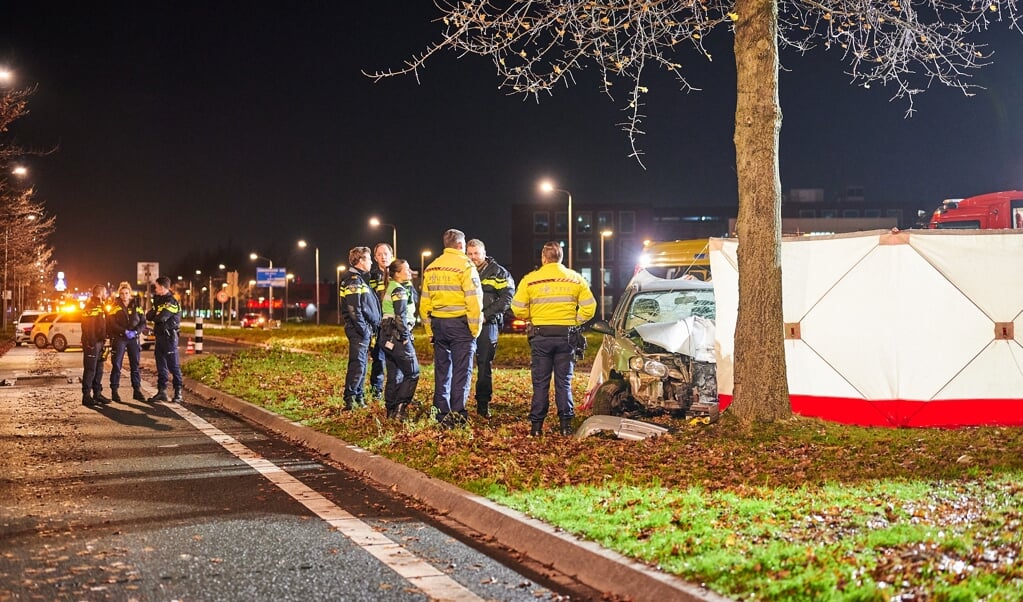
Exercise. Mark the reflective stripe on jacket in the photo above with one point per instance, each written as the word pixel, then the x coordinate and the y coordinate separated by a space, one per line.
pixel 360 306
pixel 554 296
pixel 451 289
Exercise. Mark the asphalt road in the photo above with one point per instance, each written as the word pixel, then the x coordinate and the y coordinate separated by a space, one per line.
pixel 138 501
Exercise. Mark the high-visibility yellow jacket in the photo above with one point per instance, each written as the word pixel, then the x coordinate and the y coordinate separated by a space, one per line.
pixel 451 289
pixel 554 296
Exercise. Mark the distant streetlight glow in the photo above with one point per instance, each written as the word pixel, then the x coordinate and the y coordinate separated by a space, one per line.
pixel 604 235
pixel 254 257
pixel 303 244
pixel 20 170
pixel 394 240
pixel 548 187
pixel 422 263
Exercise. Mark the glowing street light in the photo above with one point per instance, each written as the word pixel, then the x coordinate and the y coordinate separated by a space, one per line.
pixel 604 235
pixel 394 240
pixel 548 187
pixel 422 263
pixel 254 257
pixel 340 268
pixel 302 244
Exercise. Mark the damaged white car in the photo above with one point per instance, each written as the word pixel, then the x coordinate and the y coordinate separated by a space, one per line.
pixel 657 355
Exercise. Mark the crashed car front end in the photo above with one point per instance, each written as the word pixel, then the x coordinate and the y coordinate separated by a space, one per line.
pixel 657 356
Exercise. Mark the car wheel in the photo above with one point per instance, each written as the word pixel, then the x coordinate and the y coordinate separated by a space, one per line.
pixel 59 342
pixel 40 341
pixel 607 400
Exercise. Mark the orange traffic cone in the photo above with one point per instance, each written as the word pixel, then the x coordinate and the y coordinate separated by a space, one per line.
pixel 190 348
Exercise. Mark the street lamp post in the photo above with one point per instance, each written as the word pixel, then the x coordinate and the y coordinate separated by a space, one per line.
pixel 303 245
pixel 547 186
pixel 340 268
pixel 422 264
pixel 394 240
pixel 198 281
pixel 270 286
pixel 287 278
pixel 603 236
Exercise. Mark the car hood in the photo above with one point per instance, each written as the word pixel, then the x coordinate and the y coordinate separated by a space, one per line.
pixel 692 336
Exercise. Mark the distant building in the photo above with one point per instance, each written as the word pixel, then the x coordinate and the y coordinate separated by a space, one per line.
pixel 804 210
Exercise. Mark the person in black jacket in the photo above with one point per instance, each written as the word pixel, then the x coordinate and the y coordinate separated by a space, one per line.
pixel 165 314
pixel 125 323
pixel 360 309
pixel 498 290
pixel 383 254
pixel 94 337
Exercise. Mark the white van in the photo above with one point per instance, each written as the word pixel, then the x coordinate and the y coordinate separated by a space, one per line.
pixel 66 332
pixel 23 327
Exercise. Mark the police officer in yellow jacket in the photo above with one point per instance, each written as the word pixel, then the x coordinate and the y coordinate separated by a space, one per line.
pixel 556 301
pixel 451 309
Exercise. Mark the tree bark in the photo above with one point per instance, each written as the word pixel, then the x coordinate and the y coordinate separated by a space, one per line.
pixel 760 387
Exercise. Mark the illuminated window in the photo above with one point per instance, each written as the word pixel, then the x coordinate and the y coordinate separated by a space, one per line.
pixel 541 222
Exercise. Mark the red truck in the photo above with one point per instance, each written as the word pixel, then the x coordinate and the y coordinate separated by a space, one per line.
pixel 989 211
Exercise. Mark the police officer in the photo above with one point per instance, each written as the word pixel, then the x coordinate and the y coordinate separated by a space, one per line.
pixel 125 322
pixel 395 339
pixel 498 290
pixel 94 337
pixel 450 306
pixel 383 254
pixel 360 308
pixel 557 301
pixel 165 314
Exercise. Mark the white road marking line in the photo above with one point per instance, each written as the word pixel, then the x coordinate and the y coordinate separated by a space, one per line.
pixel 431 581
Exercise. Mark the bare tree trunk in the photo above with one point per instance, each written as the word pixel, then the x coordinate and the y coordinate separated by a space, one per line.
pixel 761 390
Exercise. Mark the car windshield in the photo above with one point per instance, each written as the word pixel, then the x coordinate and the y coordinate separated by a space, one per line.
pixel 669 306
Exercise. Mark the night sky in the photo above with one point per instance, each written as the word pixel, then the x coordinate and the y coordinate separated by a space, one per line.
pixel 181 127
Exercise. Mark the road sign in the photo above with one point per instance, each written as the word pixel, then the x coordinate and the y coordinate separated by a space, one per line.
pixel 222 296
pixel 147 272
pixel 271 276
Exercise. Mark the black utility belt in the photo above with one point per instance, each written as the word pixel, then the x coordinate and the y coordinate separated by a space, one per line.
pixel 550 331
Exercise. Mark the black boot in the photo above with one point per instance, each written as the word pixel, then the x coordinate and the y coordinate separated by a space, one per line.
pixel 566 426
pixel 402 412
pixel 98 398
pixel 483 408
pixel 137 395
pixel 161 395
pixel 177 396
pixel 536 429
pixel 114 396
pixel 349 404
pixel 87 400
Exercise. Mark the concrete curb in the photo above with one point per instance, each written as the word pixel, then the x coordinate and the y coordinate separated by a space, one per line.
pixel 585 561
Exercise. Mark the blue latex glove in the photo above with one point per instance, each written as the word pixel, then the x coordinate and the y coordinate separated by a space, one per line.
pixel 130 334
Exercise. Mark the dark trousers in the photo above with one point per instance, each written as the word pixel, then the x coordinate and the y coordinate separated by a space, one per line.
pixel 551 356
pixel 486 349
pixel 358 357
pixel 118 349
pixel 453 348
pixel 402 373
pixel 376 368
pixel 168 366
pixel 92 368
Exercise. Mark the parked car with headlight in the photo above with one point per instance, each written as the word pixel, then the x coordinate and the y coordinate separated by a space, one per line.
pixel 657 354
pixel 23 326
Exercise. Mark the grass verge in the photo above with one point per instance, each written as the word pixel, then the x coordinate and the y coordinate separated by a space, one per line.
pixel 800 510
